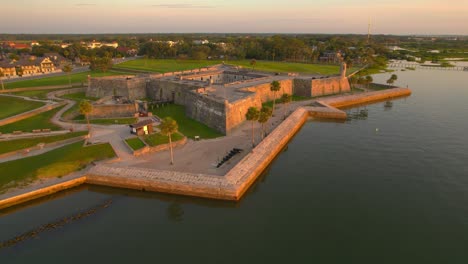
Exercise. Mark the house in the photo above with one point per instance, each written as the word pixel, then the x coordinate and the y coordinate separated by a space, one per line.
pixel 58 60
pixel 33 65
pixel 20 46
pixel 7 69
pixel 128 51
pixel 144 127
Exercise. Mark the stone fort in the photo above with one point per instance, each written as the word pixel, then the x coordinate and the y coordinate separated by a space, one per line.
pixel 217 96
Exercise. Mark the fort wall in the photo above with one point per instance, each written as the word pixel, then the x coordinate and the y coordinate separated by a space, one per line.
pixel 321 87
pixel 126 86
pixel 113 110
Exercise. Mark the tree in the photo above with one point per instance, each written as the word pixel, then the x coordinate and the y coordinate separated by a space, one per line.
pixel 252 115
pixel 168 127
pixel 253 62
pixel 285 99
pixel 369 80
pixel 274 87
pixel 1 79
pixel 102 64
pixel 68 69
pixel 264 116
pixel 392 79
pixel 85 109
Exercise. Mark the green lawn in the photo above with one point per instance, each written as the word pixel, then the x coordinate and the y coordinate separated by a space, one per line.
pixel 135 143
pixel 77 97
pixel 11 106
pixel 59 80
pixel 187 126
pixel 55 163
pixel 40 121
pixel 17 144
pixel 107 121
pixel 172 65
pixel 39 94
pixel 159 139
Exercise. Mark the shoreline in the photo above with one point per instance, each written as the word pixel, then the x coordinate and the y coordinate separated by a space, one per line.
pixel 233 185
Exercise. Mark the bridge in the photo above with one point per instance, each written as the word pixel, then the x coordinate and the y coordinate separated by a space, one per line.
pixel 429 67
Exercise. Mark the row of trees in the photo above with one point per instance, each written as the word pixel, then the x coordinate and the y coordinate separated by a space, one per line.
pixel 263 115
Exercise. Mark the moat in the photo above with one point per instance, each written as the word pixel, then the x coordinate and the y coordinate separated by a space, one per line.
pixel 389 188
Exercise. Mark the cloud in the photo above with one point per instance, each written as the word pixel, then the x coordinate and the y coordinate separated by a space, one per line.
pixel 183 6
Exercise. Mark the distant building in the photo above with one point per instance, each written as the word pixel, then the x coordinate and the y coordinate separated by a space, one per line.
pixel 33 65
pixel 58 60
pixel 330 57
pixel 7 69
pixel 96 45
pixel 128 51
pixel 201 42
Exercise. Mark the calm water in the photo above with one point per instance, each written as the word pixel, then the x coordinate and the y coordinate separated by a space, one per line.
pixel 340 193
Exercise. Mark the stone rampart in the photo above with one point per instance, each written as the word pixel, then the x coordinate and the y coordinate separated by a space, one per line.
pixel 113 110
pixel 206 110
pixel 127 86
pixel 321 86
pixel 244 174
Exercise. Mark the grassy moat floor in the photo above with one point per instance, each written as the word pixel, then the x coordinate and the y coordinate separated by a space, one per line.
pixel 187 126
pixel 16 106
pixel 55 163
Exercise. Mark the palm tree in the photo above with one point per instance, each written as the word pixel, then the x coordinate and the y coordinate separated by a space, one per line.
pixel 68 69
pixel 168 127
pixel 274 87
pixel 1 79
pixel 369 80
pixel 285 99
pixel 253 62
pixel 264 116
pixel 252 115
pixel 85 109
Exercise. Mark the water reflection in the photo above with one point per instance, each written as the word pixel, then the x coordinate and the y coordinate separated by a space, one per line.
pixel 175 212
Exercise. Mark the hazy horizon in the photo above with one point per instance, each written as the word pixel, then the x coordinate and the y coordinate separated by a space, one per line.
pixel 398 17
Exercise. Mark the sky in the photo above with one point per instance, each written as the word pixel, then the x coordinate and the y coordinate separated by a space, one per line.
pixel 425 17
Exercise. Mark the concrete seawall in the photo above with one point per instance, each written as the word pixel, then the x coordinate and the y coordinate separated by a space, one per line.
pixel 41 192
pixel 350 100
pixel 236 182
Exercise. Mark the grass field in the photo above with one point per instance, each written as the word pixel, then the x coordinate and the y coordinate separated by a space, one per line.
pixel 187 126
pixel 40 121
pixel 55 163
pixel 17 144
pixel 59 80
pixel 39 94
pixel 135 143
pixel 107 121
pixel 172 65
pixel 159 139
pixel 11 106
